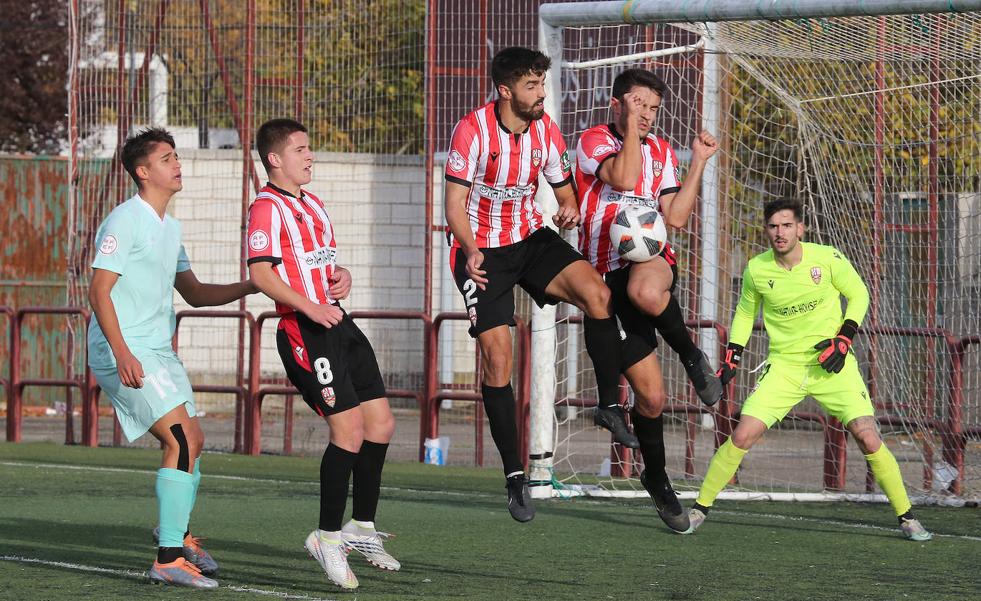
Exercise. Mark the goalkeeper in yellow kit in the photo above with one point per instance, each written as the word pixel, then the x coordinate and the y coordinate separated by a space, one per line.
pixel 800 285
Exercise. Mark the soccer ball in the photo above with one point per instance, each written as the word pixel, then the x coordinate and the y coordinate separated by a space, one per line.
pixel 638 233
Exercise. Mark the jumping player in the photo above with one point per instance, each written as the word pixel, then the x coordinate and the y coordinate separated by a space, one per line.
pixel 496 155
pixel 620 164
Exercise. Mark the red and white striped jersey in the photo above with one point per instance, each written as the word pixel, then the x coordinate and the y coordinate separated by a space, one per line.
pixel 501 169
pixel 599 202
pixel 296 236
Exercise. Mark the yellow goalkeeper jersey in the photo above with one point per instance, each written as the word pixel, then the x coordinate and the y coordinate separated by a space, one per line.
pixel 801 306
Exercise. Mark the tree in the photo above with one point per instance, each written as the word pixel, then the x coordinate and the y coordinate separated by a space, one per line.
pixel 34 54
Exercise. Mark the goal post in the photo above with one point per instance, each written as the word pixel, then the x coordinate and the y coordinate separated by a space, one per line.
pixel 869 112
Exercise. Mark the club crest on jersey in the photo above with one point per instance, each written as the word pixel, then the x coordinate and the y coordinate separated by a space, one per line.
pixel 536 157
pixel 109 245
pixel 259 240
pixel 657 167
pixel 328 394
pixel 456 161
pixel 816 274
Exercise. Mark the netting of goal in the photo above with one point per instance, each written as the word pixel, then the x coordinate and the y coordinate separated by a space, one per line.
pixel 874 122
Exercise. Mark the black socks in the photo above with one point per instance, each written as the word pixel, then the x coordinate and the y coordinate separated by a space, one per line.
pixel 367 479
pixel 671 324
pixel 603 345
pixel 499 405
pixel 335 476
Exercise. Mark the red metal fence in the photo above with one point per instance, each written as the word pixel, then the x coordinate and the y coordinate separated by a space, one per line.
pixel 249 392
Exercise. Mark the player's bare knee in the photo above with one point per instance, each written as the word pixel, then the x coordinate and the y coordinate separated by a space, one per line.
pixel 180 451
pixel 868 442
pixel 596 301
pixel 380 428
pixel 650 403
pixel 652 299
pixel 866 434
pixel 744 438
pixel 348 439
pixel 497 366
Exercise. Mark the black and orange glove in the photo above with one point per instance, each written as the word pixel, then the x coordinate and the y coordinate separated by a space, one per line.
pixel 835 350
pixel 734 354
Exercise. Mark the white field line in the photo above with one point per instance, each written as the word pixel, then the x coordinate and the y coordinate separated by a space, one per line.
pixel 125 470
pixel 142 576
pixel 86 468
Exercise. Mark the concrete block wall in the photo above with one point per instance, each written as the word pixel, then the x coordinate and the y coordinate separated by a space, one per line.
pixel 377 206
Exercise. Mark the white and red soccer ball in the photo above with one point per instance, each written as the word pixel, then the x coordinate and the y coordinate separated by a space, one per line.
pixel 638 233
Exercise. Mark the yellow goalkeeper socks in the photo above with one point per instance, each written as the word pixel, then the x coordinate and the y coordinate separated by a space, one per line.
pixel 890 480
pixel 721 470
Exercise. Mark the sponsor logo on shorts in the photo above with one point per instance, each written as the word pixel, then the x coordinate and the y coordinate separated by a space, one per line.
pixel 299 352
pixel 259 240
pixel 456 161
pixel 816 274
pixel 472 313
pixel 109 245
pixel 328 394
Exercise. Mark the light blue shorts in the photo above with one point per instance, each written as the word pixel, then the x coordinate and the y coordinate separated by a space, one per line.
pixel 165 386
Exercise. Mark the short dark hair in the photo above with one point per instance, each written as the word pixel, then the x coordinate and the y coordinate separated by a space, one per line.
pixel 638 77
pixel 511 64
pixel 138 147
pixel 783 204
pixel 272 135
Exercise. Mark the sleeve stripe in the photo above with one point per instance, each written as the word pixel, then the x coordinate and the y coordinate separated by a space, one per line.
pixel 566 181
pixel 600 164
pixel 669 191
pixel 274 260
pixel 458 180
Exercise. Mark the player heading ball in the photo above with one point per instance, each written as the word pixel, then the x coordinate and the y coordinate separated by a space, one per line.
pixel 500 241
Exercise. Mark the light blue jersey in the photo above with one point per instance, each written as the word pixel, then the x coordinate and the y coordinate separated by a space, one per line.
pixel 147 253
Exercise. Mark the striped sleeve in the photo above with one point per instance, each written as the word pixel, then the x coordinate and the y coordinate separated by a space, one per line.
pixel 264 233
pixel 461 162
pixel 558 167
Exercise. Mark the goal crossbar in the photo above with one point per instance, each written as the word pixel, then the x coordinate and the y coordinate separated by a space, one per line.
pixel 666 11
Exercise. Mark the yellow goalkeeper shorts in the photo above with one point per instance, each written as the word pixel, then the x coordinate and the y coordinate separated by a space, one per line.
pixel 781 386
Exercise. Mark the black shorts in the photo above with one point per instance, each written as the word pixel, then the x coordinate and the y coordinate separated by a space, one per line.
pixel 531 263
pixel 641 339
pixel 333 368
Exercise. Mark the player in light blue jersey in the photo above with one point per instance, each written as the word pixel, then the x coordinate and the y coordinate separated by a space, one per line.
pixel 139 262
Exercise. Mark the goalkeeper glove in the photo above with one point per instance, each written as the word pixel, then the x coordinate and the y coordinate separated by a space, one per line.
pixel 834 350
pixel 734 354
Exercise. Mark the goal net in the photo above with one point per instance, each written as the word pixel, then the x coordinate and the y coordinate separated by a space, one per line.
pixel 875 123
